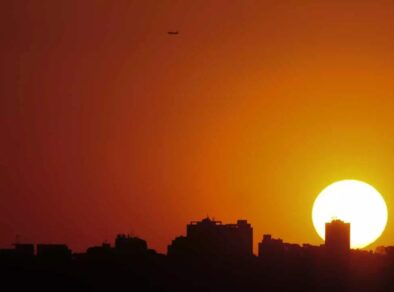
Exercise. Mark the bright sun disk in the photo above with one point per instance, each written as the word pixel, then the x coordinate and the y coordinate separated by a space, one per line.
pixel 355 202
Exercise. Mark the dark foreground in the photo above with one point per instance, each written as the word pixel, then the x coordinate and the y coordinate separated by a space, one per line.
pixel 360 271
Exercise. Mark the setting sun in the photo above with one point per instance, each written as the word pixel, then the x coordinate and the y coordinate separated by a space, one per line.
pixel 355 202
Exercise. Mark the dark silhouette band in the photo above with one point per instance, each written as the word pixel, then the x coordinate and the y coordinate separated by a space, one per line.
pixel 212 256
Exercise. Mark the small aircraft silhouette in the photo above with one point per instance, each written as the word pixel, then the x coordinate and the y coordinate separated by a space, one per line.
pixel 173 32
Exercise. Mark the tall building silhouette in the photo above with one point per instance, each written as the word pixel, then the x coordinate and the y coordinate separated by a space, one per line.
pixel 210 237
pixel 337 237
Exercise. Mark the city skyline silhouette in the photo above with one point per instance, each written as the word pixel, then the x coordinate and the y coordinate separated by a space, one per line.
pixel 339 233
pixel 211 256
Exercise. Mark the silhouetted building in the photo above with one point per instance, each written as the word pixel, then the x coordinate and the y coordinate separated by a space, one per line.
pixel 270 247
pixel 381 250
pixel 25 249
pixel 275 251
pixel 390 251
pixel 6 252
pixel 293 250
pixel 181 246
pixel 387 251
pixel 313 251
pixel 337 237
pixel 104 251
pixel 19 252
pixel 209 237
pixel 53 252
pixel 130 245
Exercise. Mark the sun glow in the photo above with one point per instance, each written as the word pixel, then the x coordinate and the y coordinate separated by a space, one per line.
pixel 355 202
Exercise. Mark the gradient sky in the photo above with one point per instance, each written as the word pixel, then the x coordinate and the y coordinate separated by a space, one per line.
pixel 108 124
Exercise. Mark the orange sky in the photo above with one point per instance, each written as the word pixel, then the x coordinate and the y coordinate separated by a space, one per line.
pixel 108 124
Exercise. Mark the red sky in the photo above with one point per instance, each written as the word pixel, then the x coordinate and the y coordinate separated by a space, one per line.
pixel 108 124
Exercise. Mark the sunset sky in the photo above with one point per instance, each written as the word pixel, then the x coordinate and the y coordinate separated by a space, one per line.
pixel 108 124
